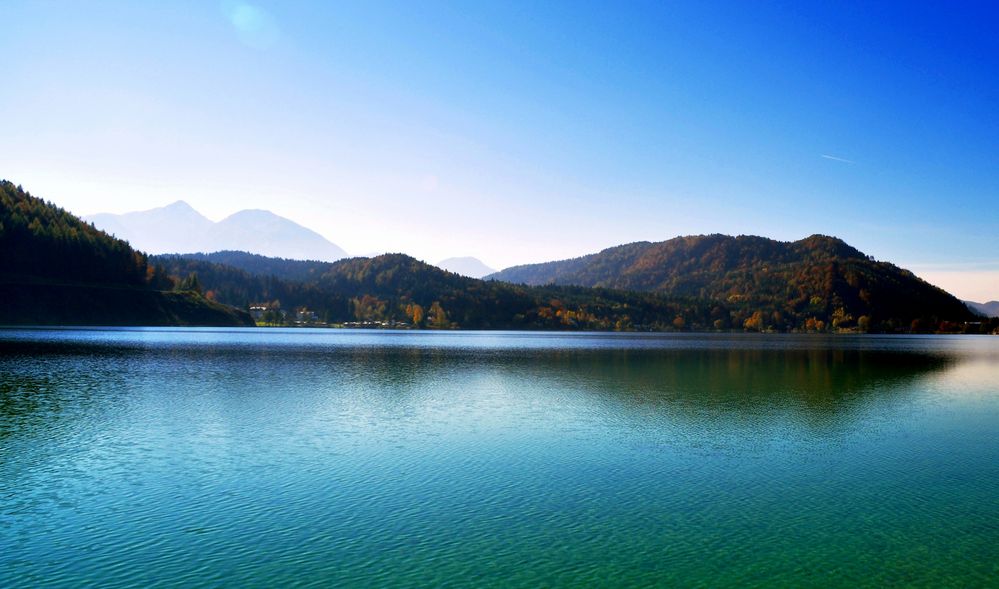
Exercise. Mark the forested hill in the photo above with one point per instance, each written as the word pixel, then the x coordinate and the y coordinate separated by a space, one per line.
pixel 283 268
pixel 398 288
pixel 40 240
pixel 56 269
pixel 683 263
pixel 818 277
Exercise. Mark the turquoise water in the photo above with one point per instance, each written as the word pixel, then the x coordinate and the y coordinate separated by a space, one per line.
pixel 262 458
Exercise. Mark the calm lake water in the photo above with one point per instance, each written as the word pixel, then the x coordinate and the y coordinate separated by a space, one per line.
pixel 242 458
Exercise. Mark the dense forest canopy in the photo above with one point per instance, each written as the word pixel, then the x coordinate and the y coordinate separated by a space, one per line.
pixel 39 239
pixel 283 268
pixel 56 269
pixel 791 285
pixel 399 288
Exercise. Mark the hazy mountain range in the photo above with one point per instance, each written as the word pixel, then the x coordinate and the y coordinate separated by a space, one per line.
pixel 466 266
pixel 178 228
pixel 989 309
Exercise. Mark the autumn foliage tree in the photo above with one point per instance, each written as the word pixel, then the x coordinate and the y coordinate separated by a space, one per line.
pixel 399 288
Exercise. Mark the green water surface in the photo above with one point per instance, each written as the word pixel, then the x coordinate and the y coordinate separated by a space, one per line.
pixel 330 458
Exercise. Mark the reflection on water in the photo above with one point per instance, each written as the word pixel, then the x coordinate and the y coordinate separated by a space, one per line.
pixel 264 457
pixel 51 379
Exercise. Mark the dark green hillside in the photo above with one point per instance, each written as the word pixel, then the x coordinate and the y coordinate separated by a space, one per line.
pixel 399 288
pixel 770 283
pixel 83 304
pixel 396 287
pixel 296 270
pixel 240 288
pixel 56 269
pixel 41 240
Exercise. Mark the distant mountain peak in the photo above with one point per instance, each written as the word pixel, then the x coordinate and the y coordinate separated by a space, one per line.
pixel 177 208
pixel 179 228
pixel 466 266
pixel 989 309
pixel 255 213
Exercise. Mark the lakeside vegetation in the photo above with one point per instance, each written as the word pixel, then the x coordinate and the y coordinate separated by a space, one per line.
pixel 398 289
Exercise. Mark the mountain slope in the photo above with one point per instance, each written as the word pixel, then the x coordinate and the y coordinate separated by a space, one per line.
pixel 178 228
pixel 264 232
pixel 989 309
pixel 466 266
pixel 158 229
pixel 56 269
pixel 818 277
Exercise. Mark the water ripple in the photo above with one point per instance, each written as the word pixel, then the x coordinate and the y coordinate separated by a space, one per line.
pixel 169 458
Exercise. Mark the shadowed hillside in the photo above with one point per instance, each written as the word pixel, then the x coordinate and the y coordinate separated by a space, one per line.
pixel 56 269
pixel 989 309
pixel 282 268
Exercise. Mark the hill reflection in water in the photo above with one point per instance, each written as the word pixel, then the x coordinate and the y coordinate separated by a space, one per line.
pixel 268 457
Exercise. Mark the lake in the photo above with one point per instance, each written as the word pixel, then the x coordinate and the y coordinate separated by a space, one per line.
pixel 315 458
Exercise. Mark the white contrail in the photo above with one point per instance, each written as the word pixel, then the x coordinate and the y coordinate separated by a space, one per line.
pixel 838 159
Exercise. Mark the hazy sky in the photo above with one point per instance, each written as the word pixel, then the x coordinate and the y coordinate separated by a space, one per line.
pixel 524 132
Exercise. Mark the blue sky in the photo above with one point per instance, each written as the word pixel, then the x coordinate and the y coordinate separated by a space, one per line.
pixel 522 132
